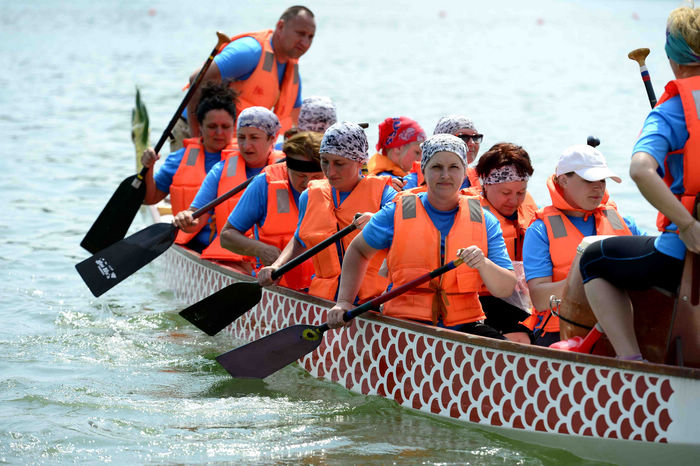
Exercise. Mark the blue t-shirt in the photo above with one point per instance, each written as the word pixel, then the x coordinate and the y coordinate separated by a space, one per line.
pixel 387 196
pixel 208 192
pixel 379 232
pixel 537 260
pixel 411 180
pixel 239 59
pixel 665 131
pixel 251 208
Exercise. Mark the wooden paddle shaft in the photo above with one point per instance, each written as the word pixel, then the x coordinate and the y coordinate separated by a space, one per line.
pixel 639 55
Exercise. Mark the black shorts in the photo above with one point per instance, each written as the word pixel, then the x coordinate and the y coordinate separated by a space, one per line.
pixel 631 263
pixel 503 316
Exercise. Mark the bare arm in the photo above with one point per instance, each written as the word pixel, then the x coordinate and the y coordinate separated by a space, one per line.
pixel 153 194
pixel 235 241
pixel 542 288
pixel 212 74
pixel 499 281
pixel 184 220
pixel 643 172
pixel 290 251
pixel 354 268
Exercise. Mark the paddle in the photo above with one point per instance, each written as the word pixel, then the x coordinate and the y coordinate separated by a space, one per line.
pixel 639 55
pixel 215 312
pixel 265 356
pixel 116 217
pixel 104 270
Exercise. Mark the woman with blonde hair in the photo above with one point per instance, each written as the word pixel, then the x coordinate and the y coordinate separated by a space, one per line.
pixel 666 168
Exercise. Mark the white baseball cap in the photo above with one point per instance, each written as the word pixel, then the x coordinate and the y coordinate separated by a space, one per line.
pixel 587 162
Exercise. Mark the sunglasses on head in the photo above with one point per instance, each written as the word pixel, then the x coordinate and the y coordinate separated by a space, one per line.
pixel 477 138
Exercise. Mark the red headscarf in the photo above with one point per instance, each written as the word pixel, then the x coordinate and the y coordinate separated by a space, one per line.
pixel 396 132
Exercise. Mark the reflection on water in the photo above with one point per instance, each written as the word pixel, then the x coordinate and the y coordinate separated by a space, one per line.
pixel 122 377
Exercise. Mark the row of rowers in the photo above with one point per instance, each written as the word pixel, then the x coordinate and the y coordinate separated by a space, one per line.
pixel 421 203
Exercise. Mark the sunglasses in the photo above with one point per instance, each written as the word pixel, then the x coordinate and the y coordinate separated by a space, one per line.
pixel 477 138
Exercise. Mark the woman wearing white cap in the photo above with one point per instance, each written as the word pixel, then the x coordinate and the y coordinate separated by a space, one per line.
pixel 330 205
pixel 667 147
pixel 440 223
pixel 580 207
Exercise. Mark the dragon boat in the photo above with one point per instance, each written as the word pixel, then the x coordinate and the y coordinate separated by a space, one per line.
pixel 593 406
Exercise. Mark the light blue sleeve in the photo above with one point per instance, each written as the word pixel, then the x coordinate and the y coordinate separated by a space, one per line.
pixel 297 104
pixel 498 253
pixel 664 131
pixel 379 231
pixel 251 208
pixel 303 200
pixel 632 225
pixel 164 176
pixel 238 59
pixel 411 181
pixel 388 195
pixel 536 259
pixel 210 186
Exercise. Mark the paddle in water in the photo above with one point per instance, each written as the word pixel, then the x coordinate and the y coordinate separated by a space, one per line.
pixel 265 356
pixel 215 312
pixel 104 270
pixel 116 217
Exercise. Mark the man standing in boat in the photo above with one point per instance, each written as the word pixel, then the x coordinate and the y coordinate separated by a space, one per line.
pixel 262 67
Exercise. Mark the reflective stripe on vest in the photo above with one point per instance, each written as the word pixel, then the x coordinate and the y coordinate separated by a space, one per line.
pixel 263 87
pixel 689 91
pixel 323 219
pixel 451 297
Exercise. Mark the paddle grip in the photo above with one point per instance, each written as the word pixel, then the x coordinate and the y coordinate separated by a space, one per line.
pixel 193 87
pixel 381 299
pixel 313 251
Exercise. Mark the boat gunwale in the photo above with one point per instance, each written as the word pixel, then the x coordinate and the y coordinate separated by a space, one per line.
pixel 451 335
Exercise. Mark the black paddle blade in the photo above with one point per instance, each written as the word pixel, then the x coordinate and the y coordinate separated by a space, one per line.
pixel 116 217
pixel 109 267
pixel 265 356
pixel 215 312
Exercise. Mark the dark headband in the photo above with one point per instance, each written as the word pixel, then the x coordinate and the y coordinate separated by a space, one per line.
pixel 303 165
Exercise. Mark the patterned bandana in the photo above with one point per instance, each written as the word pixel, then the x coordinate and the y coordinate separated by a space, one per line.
pixel 316 114
pixel 346 140
pixel 260 118
pixel 504 174
pixel 450 124
pixel 443 143
pixel 397 132
pixel 678 50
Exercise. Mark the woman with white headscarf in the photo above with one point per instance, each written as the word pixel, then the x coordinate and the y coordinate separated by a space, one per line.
pixel 256 132
pixel 424 231
pixel 330 205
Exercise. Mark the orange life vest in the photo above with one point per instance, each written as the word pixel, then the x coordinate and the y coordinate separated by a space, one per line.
pixel 263 88
pixel 564 238
pixel 379 163
pixel 281 223
pixel 513 230
pixel 453 296
pixel 188 179
pixel 685 88
pixel 232 174
pixel 323 219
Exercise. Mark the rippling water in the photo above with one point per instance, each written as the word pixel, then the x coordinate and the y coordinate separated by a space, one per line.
pixel 122 378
